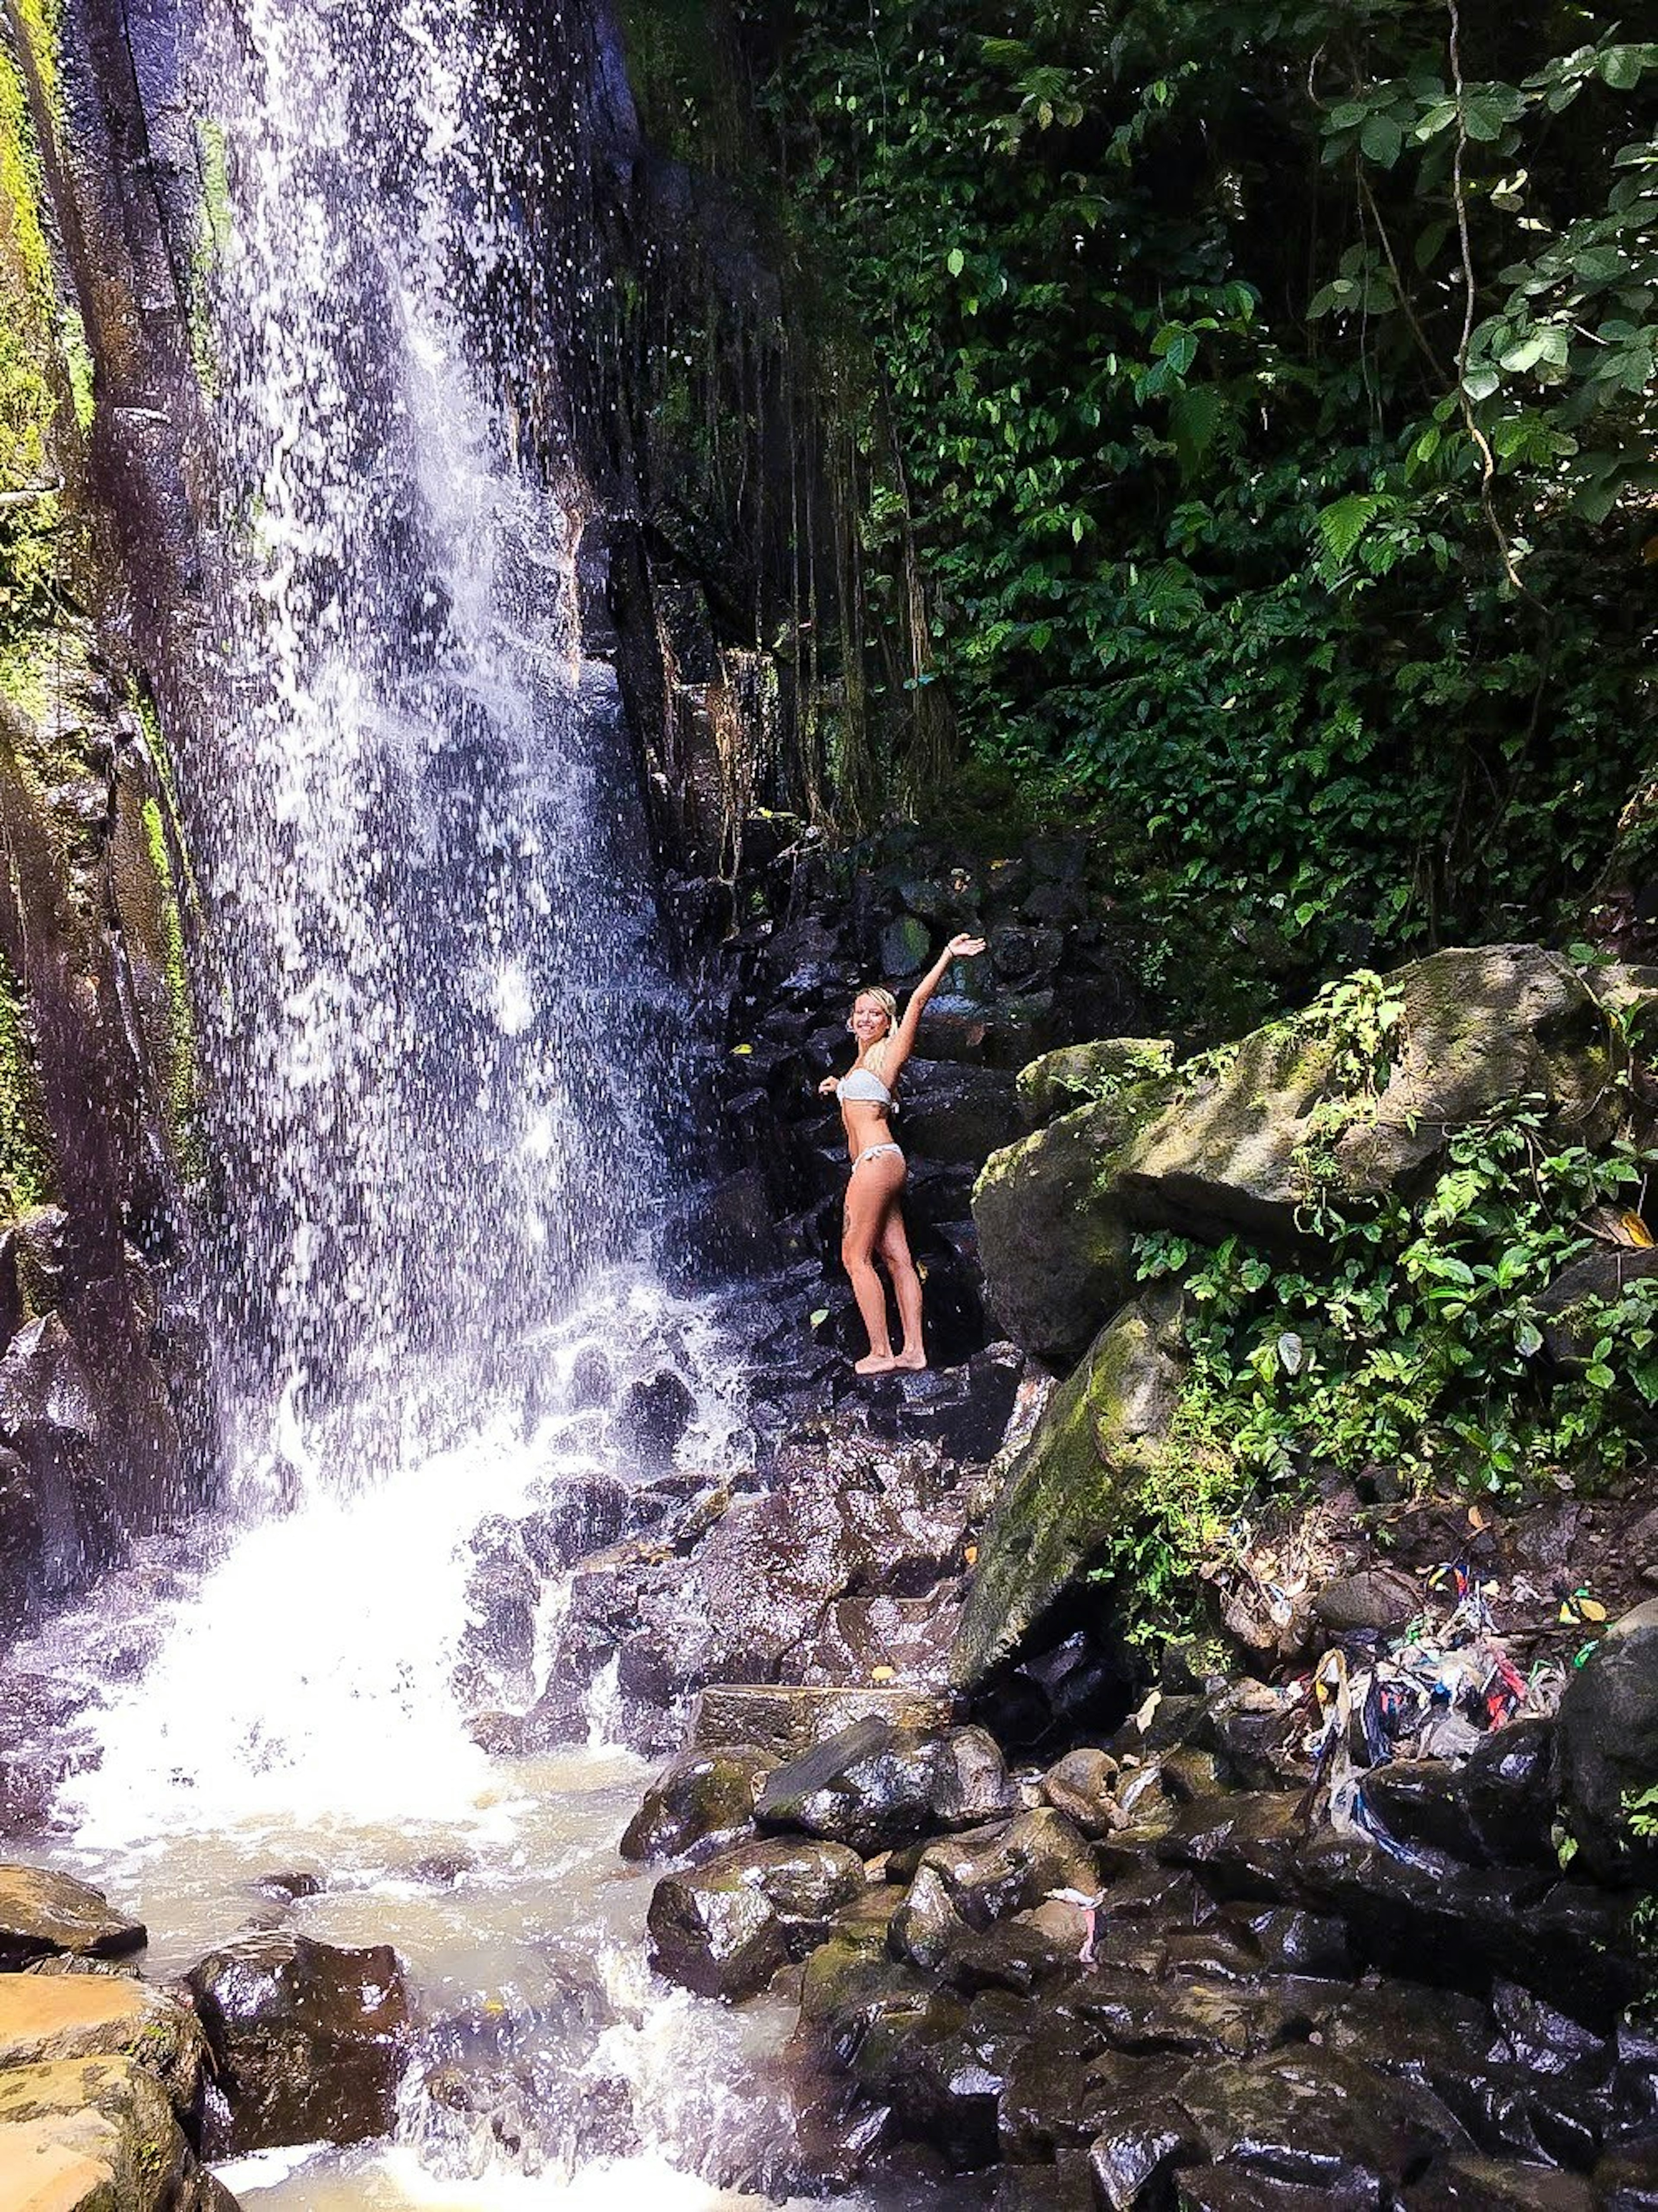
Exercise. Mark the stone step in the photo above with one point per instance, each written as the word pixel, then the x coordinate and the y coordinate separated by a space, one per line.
pixel 789 1718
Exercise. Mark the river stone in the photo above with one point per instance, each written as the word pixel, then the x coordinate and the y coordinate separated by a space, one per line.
pixel 1607 1734
pixel 873 1785
pixel 1074 1485
pixel 48 2018
pixel 310 2039
pixel 42 1912
pixel 1141 2142
pixel 1468 2183
pixel 97 2134
pixel 955 1114
pixel 723 1929
pixel 1082 1785
pixel 703 1797
pixel 1057 1249
pixel 992 1873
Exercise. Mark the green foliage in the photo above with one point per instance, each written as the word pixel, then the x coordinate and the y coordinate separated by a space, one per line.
pixel 1272 389
pixel 1415 1339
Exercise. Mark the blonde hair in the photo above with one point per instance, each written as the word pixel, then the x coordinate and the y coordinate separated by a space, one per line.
pixel 876 1058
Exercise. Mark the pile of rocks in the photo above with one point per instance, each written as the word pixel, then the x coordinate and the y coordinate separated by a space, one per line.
pixel 112 2090
pixel 1156 1973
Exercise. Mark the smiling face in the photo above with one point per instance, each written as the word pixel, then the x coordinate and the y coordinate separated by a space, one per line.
pixel 870 1020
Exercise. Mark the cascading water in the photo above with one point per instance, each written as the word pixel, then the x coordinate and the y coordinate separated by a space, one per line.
pixel 440 1042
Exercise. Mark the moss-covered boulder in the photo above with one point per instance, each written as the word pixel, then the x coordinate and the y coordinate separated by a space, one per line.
pixel 1082 1074
pixel 1304 1103
pixel 1074 1486
pixel 1056 1243
pixel 1355 1097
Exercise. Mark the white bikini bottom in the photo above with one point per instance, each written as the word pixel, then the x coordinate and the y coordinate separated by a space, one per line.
pixel 874 1153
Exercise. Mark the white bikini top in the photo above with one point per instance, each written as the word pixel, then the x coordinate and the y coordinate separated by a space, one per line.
pixel 865 1086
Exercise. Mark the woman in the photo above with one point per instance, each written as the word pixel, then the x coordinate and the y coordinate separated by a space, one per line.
pixel 874 1221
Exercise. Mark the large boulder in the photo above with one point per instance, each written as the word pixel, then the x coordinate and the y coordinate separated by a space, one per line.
pixel 1083 1074
pixel 49 2019
pixel 1074 1486
pixel 1235 1144
pixel 724 1928
pixel 1608 1749
pixel 873 1785
pixel 1475 1030
pixel 1056 1243
pixel 309 2039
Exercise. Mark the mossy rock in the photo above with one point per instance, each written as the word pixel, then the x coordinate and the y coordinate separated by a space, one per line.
pixel 1079 1075
pixel 1056 1244
pixel 1075 1485
pixel 1477 1030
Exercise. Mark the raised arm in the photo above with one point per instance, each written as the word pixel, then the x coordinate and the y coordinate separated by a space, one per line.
pixel 903 1037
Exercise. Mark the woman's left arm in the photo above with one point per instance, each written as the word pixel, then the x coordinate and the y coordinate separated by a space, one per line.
pixel 903 1037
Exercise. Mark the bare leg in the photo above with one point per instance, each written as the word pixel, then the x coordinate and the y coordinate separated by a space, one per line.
pixel 870 1196
pixel 906 1286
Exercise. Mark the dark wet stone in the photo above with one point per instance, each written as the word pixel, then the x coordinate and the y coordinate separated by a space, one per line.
pixel 785 1719
pixel 1626 2178
pixel 1248 1846
pixel 702 1799
pixel 1190 2018
pixel 1059 2089
pixel 723 1929
pixel 1139 2146
pixel 1293 1942
pixel 42 1912
pixel 1462 1924
pixel 1607 1734
pixel 1082 1786
pixel 588 1513
pixel 1066 2185
pixel 991 1874
pixel 1224 2189
pixel 926 1923
pixel 1468 2183
pixel 651 1419
pixel 288 1885
pixel 944 2067
pixel 1422 1801
pixel 1012 1955
pixel 1546 2042
pixel 1509 1786
pixel 1219 1951
pixel 309 2040
pixel 1312 2118
pixel 969 1782
pixel 870 1787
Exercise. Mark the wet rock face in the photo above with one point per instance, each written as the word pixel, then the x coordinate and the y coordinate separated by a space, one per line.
pixel 703 1798
pixel 1608 1738
pixel 309 2039
pixel 765 1587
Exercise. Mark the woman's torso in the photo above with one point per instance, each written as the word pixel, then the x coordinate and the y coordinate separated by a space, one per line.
pixel 865 1103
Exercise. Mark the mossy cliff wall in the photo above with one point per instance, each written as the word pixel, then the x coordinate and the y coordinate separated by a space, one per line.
pixel 96 1050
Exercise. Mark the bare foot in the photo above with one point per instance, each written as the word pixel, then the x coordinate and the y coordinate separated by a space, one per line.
pixel 875 1362
pixel 912 1363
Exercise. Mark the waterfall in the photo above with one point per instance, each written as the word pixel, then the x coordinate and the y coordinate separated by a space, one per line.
pixel 439 1030
pixel 445 1062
